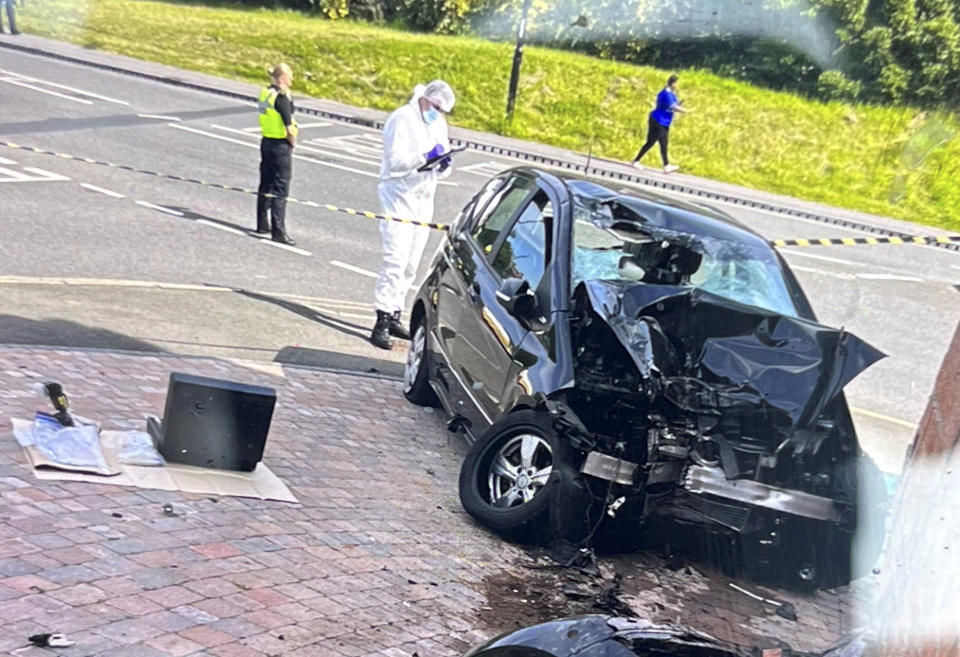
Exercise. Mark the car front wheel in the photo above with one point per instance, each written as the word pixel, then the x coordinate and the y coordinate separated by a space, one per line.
pixel 416 372
pixel 505 478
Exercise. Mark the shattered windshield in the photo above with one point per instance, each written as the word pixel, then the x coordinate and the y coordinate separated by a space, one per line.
pixel 734 270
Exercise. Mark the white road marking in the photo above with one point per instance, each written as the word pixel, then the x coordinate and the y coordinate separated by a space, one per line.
pixel 159 117
pixel 159 208
pixel 320 124
pixel 890 277
pixel 955 266
pixel 287 247
pixel 94 188
pixel 214 224
pixel 66 88
pixel 298 157
pixel 303 147
pixel 4 160
pixel 45 175
pixel 40 175
pixel 20 83
pixel 484 169
pixel 355 270
pixel 823 272
pixel 814 256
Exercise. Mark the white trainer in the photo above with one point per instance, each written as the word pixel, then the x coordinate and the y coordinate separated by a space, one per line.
pixel 637 165
pixel 670 168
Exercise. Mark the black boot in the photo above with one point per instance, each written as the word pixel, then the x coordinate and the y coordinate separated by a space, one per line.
pixel 380 337
pixel 397 329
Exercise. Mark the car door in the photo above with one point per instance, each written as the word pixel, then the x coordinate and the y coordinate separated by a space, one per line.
pixel 450 290
pixel 513 243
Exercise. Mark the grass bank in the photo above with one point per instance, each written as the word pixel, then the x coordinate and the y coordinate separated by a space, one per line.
pixel 890 161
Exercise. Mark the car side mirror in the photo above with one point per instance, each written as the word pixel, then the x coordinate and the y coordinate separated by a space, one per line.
pixel 516 296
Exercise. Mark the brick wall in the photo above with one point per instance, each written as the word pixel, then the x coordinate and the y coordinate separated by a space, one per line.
pixel 918 609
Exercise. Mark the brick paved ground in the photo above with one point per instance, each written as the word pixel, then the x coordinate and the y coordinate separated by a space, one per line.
pixel 376 559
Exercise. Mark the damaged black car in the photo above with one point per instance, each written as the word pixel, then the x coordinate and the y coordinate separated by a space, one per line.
pixel 621 360
pixel 606 636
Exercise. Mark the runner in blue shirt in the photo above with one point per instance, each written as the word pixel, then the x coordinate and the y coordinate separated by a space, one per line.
pixel 659 124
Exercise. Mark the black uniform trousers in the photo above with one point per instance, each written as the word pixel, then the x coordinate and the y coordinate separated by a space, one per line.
pixel 276 165
pixel 655 133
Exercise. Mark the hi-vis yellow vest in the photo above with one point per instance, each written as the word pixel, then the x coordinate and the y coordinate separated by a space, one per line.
pixel 271 123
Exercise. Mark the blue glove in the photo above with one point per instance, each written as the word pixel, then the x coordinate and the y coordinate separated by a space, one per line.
pixel 437 150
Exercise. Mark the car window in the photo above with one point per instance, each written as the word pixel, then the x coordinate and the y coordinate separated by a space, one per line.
pixel 479 202
pixel 740 272
pixel 523 254
pixel 500 210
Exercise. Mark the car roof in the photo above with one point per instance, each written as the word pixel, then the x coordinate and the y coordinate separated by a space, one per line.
pixel 666 212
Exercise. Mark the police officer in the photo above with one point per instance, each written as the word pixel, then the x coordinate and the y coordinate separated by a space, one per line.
pixel 276 154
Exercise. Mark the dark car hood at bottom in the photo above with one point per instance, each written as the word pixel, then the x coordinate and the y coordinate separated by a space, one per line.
pixel 605 636
pixel 748 356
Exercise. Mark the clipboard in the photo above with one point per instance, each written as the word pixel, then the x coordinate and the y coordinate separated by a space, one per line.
pixel 429 164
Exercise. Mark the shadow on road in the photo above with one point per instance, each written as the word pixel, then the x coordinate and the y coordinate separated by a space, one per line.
pixel 115 121
pixel 64 333
pixel 194 216
pixel 334 360
pixel 347 328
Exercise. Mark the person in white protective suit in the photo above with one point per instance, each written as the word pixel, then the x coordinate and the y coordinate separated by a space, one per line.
pixel 413 134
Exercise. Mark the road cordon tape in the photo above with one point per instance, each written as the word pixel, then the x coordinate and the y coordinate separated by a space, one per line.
pixel 232 188
pixel 859 241
pixel 799 242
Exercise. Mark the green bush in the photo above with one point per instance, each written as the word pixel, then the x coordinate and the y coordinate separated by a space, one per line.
pixel 834 85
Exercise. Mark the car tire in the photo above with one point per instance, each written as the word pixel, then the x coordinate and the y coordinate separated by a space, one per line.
pixel 527 443
pixel 416 372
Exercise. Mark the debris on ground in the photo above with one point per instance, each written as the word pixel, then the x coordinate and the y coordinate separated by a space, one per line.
pixel 50 640
pixel 570 555
pixel 549 590
pixel 782 609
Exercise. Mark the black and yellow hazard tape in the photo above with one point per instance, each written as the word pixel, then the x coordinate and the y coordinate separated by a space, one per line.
pixel 860 241
pixel 799 242
pixel 231 188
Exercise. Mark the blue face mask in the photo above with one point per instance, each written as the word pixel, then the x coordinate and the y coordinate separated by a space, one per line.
pixel 430 116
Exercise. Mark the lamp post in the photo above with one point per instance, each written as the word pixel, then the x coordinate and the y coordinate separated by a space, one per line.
pixel 517 59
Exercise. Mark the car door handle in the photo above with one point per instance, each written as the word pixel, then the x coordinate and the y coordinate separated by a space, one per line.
pixel 475 292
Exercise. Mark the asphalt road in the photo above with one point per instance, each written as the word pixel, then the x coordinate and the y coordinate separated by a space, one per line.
pixel 100 257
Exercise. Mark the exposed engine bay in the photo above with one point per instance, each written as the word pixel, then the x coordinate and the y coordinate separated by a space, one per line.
pixel 691 407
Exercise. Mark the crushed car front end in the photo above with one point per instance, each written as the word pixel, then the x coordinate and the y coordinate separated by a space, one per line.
pixel 695 407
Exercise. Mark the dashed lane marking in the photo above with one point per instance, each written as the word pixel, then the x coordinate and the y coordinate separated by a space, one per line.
pixel 159 117
pixel 355 270
pixel 286 247
pixel 228 229
pixel 56 85
pixel 816 256
pixel 159 208
pixel 21 83
pixel 890 277
pixel 101 190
